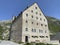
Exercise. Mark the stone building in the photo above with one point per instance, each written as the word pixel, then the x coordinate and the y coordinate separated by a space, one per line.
pixel 30 26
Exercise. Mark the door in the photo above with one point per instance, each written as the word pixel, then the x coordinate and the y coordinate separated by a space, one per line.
pixel 26 38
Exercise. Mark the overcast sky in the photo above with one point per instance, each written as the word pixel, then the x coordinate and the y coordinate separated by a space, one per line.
pixel 10 8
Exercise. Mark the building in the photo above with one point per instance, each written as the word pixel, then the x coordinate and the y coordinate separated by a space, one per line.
pixel 30 26
pixel 55 37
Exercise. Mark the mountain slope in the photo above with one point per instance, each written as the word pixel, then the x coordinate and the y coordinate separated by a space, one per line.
pixel 54 24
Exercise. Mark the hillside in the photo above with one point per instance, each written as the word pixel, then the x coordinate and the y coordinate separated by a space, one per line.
pixel 54 24
pixel 4 27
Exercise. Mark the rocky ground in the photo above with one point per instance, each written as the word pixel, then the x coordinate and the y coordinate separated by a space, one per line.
pixel 8 43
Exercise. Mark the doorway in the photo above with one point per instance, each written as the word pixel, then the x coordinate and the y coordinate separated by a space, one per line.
pixel 26 38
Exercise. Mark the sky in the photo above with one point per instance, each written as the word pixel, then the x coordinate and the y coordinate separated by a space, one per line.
pixel 10 8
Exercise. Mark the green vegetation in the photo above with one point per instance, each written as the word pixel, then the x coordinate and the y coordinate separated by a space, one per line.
pixel 8 23
pixel 1 31
pixel 37 44
pixel 54 24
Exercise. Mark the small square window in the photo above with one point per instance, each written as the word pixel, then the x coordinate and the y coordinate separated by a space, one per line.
pixel 35 7
pixel 32 16
pixel 41 36
pixel 36 17
pixel 40 18
pixel 44 19
pixel 45 25
pixel 41 31
pixel 45 31
pixel 31 10
pixel 40 14
pixel 32 30
pixel 36 12
pixel 27 15
pixel 46 36
pixel 37 23
pixel 26 21
pixel 41 24
pixel 32 22
pixel 26 29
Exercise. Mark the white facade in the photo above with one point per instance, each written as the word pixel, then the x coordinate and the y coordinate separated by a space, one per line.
pixel 34 26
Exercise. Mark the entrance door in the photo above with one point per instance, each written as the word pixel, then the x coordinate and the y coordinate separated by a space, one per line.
pixel 26 38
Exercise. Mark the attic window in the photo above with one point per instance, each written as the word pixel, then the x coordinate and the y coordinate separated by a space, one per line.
pixel 35 7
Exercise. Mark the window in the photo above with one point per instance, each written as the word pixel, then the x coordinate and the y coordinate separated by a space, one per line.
pixel 32 16
pixel 41 36
pixel 45 25
pixel 46 36
pixel 41 24
pixel 27 15
pixel 31 10
pixel 35 36
pixel 26 29
pixel 44 19
pixel 35 7
pixel 40 14
pixel 37 23
pixel 45 31
pixel 40 18
pixel 32 22
pixel 33 30
pixel 41 31
pixel 36 17
pixel 26 21
pixel 36 12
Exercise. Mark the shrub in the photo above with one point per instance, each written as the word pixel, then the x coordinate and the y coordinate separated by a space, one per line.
pixel 28 44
